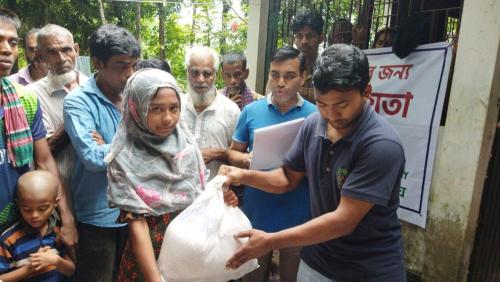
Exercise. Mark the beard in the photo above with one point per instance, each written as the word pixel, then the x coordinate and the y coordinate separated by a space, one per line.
pixel 202 100
pixel 57 81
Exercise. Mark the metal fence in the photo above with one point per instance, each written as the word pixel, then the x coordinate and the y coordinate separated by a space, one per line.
pixel 366 17
pixel 361 19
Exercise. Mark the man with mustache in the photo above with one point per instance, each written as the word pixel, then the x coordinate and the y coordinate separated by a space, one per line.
pixel 56 48
pixel 23 144
pixel 35 69
pixel 307 27
pixel 234 73
pixel 210 116
pixel 267 211
pixel 353 159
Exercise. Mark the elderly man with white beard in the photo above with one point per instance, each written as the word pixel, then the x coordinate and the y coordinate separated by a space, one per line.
pixel 58 51
pixel 210 116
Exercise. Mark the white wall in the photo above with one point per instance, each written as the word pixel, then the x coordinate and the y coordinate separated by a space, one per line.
pixel 442 251
pixel 258 11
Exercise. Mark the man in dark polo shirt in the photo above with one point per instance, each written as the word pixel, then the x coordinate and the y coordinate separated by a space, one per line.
pixel 354 161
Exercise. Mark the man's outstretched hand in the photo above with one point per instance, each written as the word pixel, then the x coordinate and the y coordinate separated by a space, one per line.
pixel 233 175
pixel 258 244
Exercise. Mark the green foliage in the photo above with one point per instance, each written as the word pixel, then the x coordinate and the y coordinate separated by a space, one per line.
pixel 211 28
pixel 177 37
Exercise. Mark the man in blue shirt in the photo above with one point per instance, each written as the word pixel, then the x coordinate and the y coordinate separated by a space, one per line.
pixel 23 118
pixel 264 209
pixel 92 113
pixel 354 161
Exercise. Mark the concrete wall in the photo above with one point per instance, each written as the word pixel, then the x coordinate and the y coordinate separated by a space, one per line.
pixel 442 251
pixel 258 11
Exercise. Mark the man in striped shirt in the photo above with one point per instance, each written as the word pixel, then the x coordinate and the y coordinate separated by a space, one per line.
pixel 58 51
pixel 32 248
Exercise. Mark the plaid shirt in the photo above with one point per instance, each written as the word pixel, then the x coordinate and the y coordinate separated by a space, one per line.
pixel 248 96
pixel 307 90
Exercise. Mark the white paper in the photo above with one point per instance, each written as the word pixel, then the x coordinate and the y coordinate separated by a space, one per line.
pixel 271 143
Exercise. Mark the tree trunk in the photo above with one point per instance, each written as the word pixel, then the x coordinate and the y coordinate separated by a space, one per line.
pixel 209 26
pixel 224 22
pixel 101 12
pixel 117 9
pixel 46 4
pixel 138 21
pixel 193 25
pixel 161 29
pixel 12 5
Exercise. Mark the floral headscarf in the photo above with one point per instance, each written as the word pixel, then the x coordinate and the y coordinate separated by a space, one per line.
pixel 149 174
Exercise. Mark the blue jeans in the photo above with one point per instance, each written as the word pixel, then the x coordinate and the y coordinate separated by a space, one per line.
pixel 307 274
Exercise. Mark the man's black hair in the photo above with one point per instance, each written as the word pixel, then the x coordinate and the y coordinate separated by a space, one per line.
pixel 7 16
pixel 310 18
pixel 232 57
pixel 341 67
pixel 110 40
pixel 289 53
pixel 154 64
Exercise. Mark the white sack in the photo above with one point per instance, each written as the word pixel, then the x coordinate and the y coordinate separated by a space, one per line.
pixel 199 241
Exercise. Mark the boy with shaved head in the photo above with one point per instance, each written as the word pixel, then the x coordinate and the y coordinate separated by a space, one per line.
pixel 31 249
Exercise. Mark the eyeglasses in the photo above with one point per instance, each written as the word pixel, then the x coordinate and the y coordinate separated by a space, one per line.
pixel 236 75
pixel 194 73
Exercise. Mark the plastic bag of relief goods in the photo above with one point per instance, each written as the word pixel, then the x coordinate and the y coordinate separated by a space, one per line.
pixel 199 241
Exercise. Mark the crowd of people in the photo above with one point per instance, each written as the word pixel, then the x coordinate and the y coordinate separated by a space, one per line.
pixel 93 169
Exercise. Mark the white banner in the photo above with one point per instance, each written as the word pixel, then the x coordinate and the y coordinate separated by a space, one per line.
pixel 410 94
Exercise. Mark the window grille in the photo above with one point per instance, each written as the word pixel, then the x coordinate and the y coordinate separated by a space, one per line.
pixel 369 16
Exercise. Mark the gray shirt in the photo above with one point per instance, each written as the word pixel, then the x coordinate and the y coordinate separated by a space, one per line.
pixel 367 165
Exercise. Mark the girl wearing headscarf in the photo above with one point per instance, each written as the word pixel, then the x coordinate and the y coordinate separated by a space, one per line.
pixel 155 169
